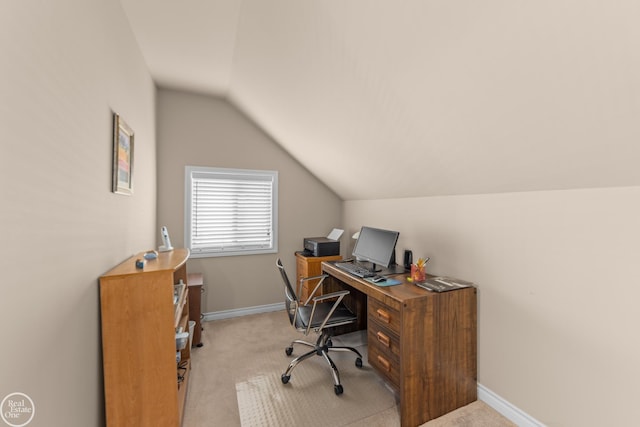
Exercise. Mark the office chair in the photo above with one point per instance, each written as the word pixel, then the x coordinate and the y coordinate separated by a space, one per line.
pixel 321 316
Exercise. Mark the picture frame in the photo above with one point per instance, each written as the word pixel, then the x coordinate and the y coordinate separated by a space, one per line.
pixel 123 144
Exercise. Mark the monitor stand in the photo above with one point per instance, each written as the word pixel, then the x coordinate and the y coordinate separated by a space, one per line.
pixel 368 265
pixel 393 269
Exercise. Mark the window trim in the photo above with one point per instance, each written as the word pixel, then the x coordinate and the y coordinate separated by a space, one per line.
pixel 190 171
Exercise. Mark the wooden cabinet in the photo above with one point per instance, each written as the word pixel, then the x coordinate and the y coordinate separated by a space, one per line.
pixel 309 266
pixel 144 384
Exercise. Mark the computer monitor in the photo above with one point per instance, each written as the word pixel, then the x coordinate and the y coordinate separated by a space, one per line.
pixel 376 246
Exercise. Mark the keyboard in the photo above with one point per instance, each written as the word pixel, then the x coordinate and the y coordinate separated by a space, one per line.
pixel 354 269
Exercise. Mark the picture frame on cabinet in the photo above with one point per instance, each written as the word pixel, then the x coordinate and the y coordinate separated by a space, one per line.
pixel 123 144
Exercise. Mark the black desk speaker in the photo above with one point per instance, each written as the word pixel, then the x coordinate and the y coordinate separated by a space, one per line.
pixel 408 259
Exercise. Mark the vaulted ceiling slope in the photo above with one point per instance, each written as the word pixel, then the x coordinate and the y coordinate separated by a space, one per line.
pixel 386 98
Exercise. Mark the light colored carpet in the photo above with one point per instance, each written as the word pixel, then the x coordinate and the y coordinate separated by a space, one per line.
pixel 248 353
pixel 264 401
pixel 476 414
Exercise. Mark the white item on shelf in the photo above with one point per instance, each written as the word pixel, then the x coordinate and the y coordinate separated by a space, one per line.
pixel 181 340
pixel 192 326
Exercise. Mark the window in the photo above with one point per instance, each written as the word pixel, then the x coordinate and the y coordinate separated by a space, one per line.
pixel 230 211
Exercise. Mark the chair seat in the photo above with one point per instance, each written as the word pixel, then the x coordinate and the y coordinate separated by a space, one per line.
pixel 340 316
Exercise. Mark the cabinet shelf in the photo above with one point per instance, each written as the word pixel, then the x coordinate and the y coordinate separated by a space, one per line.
pixel 179 307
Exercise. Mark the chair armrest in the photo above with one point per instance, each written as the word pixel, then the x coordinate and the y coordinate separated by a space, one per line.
pixel 312 293
pixel 304 279
pixel 321 298
pixel 339 295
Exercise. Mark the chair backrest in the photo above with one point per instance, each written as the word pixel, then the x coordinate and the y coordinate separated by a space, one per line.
pixel 290 297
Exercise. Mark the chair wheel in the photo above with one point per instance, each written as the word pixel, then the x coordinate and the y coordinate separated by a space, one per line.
pixel 285 378
pixel 338 389
pixel 329 343
pixel 288 350
pixel 359 362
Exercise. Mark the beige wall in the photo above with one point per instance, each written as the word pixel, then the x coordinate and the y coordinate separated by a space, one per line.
pixel 558 279
pixel 65 66
pixel 206 131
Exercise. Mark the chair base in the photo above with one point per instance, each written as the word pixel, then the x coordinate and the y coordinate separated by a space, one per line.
pixel 322 347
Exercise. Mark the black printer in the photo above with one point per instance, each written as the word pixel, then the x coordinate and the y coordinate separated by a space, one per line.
pixel 321 246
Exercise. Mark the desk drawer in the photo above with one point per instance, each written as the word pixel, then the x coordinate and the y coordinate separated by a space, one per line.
pixel 383 338
pixel 384 315
pixel 384 362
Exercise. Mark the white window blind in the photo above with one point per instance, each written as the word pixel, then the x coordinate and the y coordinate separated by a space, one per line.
pixel 230 211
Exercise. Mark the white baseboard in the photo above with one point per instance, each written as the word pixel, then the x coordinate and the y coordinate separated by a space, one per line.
pixel 228 314
pixel 515 415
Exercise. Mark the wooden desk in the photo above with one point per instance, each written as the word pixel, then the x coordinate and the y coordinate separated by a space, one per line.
pixel 423 343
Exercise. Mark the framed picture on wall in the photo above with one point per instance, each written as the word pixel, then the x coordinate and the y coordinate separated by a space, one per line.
pixel 123 141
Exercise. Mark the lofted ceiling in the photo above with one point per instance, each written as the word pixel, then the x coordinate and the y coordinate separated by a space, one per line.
pixel 388 99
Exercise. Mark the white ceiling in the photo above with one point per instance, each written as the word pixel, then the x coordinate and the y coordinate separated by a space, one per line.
pixel 388 98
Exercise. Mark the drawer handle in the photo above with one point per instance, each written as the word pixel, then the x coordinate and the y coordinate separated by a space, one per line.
pixel 383 315
pixel 385 363
pixel 383 339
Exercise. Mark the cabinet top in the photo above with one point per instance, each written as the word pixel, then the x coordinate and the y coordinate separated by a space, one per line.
pixel 171 260
pixel 300 255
